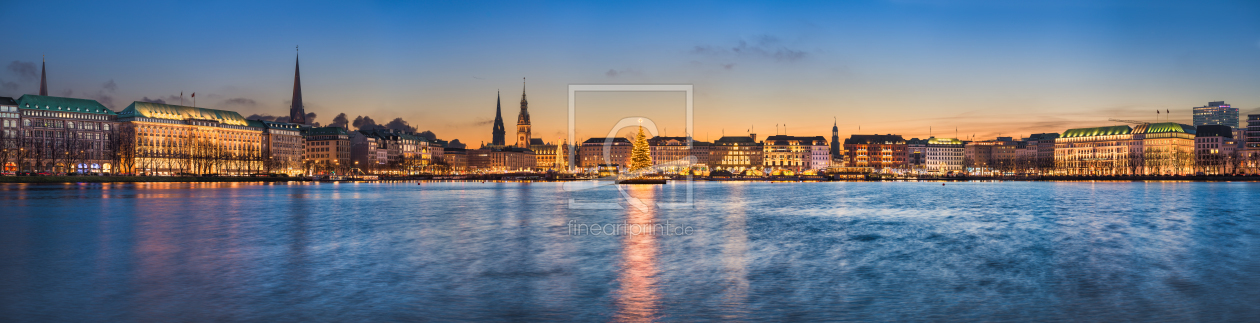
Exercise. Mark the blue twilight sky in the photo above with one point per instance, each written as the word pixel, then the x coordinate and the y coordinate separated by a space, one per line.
pixel 979 66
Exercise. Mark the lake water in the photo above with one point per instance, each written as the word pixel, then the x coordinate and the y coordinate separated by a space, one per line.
pixel 856 251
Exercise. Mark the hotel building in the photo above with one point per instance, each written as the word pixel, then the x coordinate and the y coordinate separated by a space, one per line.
pixel 1147 149
pixel 736 154
pixel 789 155
pixel 166 139
pixel 943 155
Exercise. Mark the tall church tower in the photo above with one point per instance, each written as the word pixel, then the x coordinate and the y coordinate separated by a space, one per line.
pixel 522 121
pixel 43 78
pixel 297 112
pixel 499 132
pixel 835 141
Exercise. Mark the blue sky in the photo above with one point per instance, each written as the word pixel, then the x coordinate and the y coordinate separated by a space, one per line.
pixel 983 67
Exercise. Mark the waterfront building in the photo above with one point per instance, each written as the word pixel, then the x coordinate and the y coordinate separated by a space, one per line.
pixel 672 151
pixel 523 134
pixel 9 121
pixel 916 154
pixel 790 155
pixel 987 156
pixel 591 153
pixel 405 152
pixel 165 139
pixel 368 152
pixel 498 132
pixel 283 146
pixel 737 154
pixel 876 151
pixel 1215 150
pixel 60 135
pixel 328 150
pixel 1038 152
pixel 1216 113
pixel 943 155
pixel 549 156
pixel 1252 133
pixel 1147 149
pixel 501 160
pixel 434 150
pixel 456 159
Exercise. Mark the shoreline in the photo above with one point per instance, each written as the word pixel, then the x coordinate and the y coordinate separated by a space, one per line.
pixel 512 178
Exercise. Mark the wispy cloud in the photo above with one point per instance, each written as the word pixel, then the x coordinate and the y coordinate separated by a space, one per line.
pixel 26 71
pixel 761 47
pixel 623 72
pixel 243 102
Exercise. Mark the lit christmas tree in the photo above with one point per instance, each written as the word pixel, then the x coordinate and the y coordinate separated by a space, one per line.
pixel 639 157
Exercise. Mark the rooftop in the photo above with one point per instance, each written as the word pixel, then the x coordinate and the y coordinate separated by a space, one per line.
pixel 60 104
pixel 179 112
pixel 889 139
pixel 1097 131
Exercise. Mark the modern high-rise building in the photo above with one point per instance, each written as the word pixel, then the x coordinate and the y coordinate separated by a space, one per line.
pixel 522 123
pixel 1216 113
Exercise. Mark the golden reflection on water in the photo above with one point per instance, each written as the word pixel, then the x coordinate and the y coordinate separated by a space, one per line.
pixel 638 299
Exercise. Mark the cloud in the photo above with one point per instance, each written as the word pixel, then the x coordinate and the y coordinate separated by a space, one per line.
pixel 241 102
pixel 263 117
pixel 110 86
pixel 340 121
pixel 26 71
pixel 454 143
pixel 616 73
pixel 9 86
pixel 400 125
pixel 762 47
pixel 67 93
pixel 365 123
pixel 427 134
pixel 158 101
pixel 728 66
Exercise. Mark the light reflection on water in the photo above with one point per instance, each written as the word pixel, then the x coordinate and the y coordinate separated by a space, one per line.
pixel 1093 251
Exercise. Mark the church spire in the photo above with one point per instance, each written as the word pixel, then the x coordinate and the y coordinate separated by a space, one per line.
pixel 497 135
pixel 43 77
pixel 297 112
pixel 523 132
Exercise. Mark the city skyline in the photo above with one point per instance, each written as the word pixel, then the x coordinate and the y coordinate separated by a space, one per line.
pixel 790 67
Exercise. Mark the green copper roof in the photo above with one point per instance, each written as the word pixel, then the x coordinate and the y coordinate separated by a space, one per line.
pixel 1097 131
pixel 944 141
pixel 179 112
pixel 1165 127
pixel 60 104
